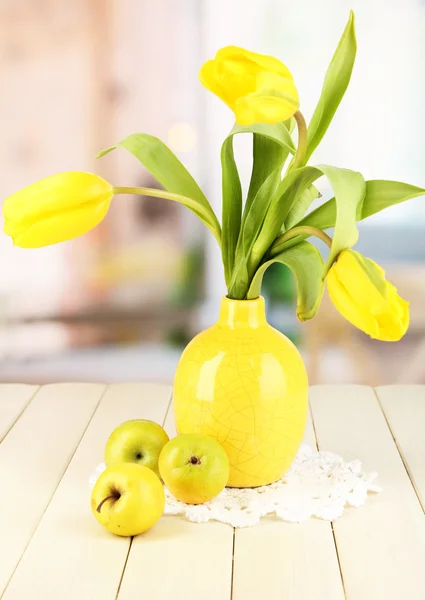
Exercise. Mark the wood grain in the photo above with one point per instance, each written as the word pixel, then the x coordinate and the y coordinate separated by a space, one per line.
pixel 180 560
pixel 404 408
pixel 13 400
pixel 33 458
pixel 71 555
pixel 381 545
pixel 276 560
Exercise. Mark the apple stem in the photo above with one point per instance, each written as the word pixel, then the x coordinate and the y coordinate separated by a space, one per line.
pixel 99 508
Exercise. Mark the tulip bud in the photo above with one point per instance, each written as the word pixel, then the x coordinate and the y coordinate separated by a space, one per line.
pixel 56 209
pixel 258 88
pixel 359 290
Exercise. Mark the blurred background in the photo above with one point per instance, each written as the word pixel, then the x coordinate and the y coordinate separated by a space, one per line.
pixel 121 303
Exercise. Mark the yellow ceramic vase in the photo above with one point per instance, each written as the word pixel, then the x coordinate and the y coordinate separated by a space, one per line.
pixel 244 384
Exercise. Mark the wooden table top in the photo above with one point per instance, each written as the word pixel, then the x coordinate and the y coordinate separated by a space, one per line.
pixel 51 548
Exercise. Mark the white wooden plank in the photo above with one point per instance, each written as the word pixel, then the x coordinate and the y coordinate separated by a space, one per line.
pixel 277 560
pixel 180 560
pixel 13 400
pixel 381 545
pixel 33 457
pixel 70 555
pixel 404 408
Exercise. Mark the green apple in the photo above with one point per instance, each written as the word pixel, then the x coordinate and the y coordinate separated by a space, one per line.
pixel 195 468
pixel 128 499
pixel 138 441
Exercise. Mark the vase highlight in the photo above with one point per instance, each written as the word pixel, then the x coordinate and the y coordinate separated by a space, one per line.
pixel 244 383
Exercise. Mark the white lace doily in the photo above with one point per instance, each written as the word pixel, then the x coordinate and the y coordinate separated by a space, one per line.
pixel 318 484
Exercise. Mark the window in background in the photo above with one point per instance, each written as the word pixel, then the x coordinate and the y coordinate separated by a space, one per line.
pixel 77 77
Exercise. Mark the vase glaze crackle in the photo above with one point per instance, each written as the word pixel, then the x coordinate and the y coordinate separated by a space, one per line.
pixel 244 384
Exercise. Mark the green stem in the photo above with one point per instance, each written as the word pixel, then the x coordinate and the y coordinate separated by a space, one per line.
pixel 192 204
pixel 295 232
pixel 142 191
pixel 298 160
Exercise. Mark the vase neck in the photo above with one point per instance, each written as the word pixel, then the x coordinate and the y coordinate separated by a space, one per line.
pixel 242 313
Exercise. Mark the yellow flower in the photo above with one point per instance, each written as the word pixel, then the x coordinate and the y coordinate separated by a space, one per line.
pixel 56 209
pixel 359 290
pixel 258 88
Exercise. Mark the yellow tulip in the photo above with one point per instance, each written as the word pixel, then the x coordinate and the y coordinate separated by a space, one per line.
pixel 258 88
pixel 359 290
pixel 56 209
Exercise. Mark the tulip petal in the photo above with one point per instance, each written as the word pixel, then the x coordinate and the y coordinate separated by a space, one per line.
pixel 264 109
pixel 359 287
pixel 257 87
pixel 56 209
pixel 60 192
pixel 359 290
pixel 394 323
pixel 391 329
pixel 237 79
pixel 270 63
pixel 352 312
pixel 62 226
pixel 208 78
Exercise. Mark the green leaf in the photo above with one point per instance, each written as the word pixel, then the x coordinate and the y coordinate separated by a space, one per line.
pixel 232 206
pixel 349 188
pixel 372 272
pixel 288 192
pixel 334 86
pixel 255 215
pixel 271 146
pixel 164 165
pixel 306 264
pixel 322 217
pixel 278 133
pixel 380 194
pixel 301 205
pixel 268 156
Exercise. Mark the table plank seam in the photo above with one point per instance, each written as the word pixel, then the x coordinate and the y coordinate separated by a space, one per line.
pixel 123 569
pixel 131 540
pixel 55 489
pixel 232 576
pixel 341 574
pixel 169 408
pixel 19 415
pixel 400 452
pixel 313 424
pixel 339 561
pixel 234 530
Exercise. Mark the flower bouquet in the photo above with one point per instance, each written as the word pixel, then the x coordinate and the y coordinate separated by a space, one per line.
pixel 241 381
